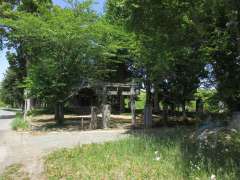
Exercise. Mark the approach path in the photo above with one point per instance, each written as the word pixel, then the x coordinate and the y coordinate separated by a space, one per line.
pixel 28 149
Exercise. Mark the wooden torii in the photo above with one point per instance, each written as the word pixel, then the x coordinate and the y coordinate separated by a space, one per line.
pixel 117 89
pixel 105 89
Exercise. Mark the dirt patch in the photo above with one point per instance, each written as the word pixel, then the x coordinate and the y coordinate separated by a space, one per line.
pixel 46 123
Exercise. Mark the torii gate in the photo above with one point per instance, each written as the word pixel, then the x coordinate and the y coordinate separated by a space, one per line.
pixel 118 89
pixel 103 90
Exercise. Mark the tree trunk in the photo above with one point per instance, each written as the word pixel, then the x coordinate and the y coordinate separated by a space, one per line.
pixel 173 107
pixel 133 107
pixel 121 103
pixel 59 114
pixel 148 107
pixel 148 92
pixel 165 113
pixel 106 115
pixel 148 116
pixel 28 106
pixel 238 32
pixel 184 110
pixel 156 107
pixel 133 112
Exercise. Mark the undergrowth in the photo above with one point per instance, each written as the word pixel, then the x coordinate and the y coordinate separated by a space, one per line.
pixel 19 123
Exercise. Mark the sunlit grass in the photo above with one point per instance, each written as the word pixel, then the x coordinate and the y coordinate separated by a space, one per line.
pixel 140 101
pixel 131 158
pixel 137 157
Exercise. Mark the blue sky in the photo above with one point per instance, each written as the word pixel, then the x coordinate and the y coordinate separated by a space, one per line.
pixel 98 6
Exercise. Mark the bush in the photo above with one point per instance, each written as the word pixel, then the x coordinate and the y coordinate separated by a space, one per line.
pixel 19 123
pixel 214 150
pixel 1 104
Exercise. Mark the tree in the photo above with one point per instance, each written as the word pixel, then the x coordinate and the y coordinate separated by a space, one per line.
pixel 222 47
pixel 18 56
pixel 11 94
pixel 168 43
pixel 66 47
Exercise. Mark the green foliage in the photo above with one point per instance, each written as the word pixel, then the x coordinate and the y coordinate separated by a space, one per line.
pixel 18 53
pixel 210 99
pixel 167 42
pixel 222 48
pixel 11 91
pixel 66 47
pixel 2 104
pixel 140 101
pixel 19 123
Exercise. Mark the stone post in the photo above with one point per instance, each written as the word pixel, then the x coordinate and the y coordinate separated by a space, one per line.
pixel 93 123
pixel 28 103
pixel 106 115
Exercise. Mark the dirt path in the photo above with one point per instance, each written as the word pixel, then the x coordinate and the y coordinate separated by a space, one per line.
pixel 28 149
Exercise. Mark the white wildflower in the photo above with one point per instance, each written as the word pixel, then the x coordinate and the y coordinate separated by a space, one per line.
pixel 213 177
pixel 158 158
pixel 156 152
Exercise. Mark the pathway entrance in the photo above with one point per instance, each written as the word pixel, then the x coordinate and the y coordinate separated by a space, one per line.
pixel 28 148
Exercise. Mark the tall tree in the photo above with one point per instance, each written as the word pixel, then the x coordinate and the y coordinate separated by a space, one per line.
pixel 18 56
pixel 222 47
pixel 67 47
pixel 168 43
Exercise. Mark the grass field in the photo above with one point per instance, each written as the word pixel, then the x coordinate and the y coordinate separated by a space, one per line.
pixel 141 156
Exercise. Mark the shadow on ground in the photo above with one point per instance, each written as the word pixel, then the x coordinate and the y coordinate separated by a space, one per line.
pixel 78 123
pixel 7 116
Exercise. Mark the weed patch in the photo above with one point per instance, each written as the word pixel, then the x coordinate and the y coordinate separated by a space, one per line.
pixel 19 123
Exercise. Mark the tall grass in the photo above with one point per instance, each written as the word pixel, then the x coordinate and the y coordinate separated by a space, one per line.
pixel 19 123
pixel 137 157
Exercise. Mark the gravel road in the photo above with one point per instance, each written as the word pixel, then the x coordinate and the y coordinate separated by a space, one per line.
pixel 29 149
